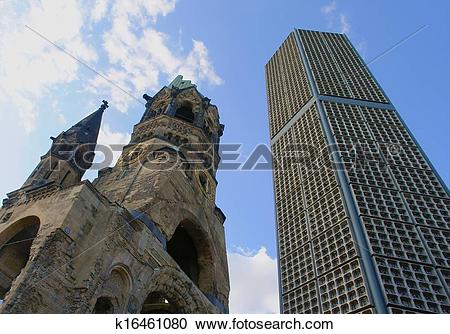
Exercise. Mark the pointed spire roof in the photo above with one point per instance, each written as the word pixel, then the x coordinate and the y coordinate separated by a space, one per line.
pixel 87 129
pixel 77 144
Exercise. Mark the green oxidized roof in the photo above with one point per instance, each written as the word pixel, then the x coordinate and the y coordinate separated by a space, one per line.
pixel 179 83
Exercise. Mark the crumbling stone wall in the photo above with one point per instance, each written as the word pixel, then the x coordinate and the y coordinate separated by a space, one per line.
pixel 75 260
pixel 102 246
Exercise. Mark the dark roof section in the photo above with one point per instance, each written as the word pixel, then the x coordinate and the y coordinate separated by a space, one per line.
pixel 77 144
pixel 88 128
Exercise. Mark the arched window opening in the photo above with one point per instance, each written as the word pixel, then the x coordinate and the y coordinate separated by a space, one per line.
pixel 15 253
pixel 183 251
pixel 157 303
pixel 185 113
pixel 103 305
pixel 114 293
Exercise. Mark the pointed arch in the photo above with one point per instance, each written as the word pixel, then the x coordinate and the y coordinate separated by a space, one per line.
pixel 190 247
pixel 183 250
pixel 15 250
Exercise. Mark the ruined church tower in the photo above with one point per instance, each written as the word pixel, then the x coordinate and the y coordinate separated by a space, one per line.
pixel 144 237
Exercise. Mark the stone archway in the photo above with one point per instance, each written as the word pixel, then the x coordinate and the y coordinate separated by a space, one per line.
pixel 103 305
pixel 182 249
pixel 168 291
pixel 15 250
pixel 190 247
pixel 114 293
pixel 158 303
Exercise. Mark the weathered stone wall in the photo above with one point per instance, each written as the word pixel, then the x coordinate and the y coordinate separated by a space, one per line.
pixel 170 197
pixel 82 240
pixel 104 245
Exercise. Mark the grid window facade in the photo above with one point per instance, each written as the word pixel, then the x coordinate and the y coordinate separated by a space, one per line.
pixel 334 247
pixel 337 68
pixel 287 86
pixel 304 300
pixel 412 286
pixel 343 290
pixel 355 195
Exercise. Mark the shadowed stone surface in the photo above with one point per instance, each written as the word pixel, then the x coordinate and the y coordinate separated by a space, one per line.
pixel 102 247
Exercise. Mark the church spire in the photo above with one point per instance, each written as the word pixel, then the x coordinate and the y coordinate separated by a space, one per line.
pixel 88 128
pixel 77 144
pixel 71 153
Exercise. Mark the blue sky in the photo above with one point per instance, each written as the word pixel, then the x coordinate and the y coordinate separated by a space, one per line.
pixel 223 47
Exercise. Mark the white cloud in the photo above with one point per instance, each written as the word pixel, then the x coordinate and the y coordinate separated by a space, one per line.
pixel 99 10
pixel 345 25
pixel 58 112
pixel 336 19
pixel 62 119
pixel 198 65
pixel 254 283
pixel 31 66
pixel 27 111
pixel 329 8
pixel 108 137
pixel 139 54
pixel 361 46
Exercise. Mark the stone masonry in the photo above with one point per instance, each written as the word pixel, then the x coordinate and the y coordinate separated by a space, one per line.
pixel 144 237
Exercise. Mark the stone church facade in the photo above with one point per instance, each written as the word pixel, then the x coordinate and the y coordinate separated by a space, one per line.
pixel 144 237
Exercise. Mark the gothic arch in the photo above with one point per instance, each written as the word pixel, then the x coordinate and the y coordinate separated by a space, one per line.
pixel 182 249
pixel 15 250
pixel 114 292
pixel 197 262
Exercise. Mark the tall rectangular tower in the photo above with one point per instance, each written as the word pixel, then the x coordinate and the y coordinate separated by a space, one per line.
pixel 363 219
